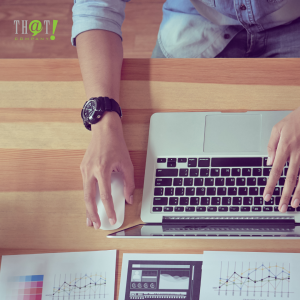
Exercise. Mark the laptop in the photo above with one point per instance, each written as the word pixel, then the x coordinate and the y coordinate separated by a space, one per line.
pixel 205 176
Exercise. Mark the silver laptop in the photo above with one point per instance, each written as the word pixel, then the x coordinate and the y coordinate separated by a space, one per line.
pixel 205 176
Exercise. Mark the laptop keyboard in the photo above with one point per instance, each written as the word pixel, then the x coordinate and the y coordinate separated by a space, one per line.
pixel 218 184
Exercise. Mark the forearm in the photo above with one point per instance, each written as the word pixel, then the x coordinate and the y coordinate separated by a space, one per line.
pixel 100 55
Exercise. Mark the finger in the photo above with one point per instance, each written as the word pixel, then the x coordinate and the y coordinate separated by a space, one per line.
pixel 104 182
pixel 90 202
pixel 272 145
pixel 296 197
pixel 279 162
pixel 88 220
pixel 129 185
pixel 289 184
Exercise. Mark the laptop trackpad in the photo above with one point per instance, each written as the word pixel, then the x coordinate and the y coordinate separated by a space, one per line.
pixel 232 133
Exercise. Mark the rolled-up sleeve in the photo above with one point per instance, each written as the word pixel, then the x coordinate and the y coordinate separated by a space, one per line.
pixel 97 14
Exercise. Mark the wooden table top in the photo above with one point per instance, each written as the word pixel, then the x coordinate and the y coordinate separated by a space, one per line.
pixel 43 140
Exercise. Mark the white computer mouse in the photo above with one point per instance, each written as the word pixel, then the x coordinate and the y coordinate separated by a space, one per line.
pixel 117 192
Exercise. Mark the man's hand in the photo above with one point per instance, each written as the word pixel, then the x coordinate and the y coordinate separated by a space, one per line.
pixel 107 152
pixel 284 145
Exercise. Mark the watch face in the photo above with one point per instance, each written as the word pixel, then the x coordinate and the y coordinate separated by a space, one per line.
pixel 89 109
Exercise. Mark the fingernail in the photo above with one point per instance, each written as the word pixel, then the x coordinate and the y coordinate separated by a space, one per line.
pixel 88 222
pixel 95 225
pixel 131 199
pixel 283 208
pixel 268 197
pixel 296 202
pixel 269 161
pixel 112 221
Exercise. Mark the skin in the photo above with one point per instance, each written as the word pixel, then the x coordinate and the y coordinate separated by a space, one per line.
pixel 100 56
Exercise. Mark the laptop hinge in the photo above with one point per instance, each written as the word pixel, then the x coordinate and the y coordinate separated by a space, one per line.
pixel 228 221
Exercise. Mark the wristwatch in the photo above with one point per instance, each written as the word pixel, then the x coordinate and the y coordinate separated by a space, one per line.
pixel 94 108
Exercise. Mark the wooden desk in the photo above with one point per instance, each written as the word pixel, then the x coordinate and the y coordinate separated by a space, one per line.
pixel 43 140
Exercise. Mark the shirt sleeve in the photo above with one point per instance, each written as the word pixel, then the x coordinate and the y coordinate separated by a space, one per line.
pixel 97 14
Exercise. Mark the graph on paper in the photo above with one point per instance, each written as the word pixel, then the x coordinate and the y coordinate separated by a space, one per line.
pixel 258 279
pixel 79 287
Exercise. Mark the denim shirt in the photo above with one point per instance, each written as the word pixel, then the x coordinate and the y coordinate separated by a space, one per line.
pixel 190 28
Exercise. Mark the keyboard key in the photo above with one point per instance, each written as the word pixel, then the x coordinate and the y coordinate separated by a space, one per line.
pixel 171 159
pixel 205 200
pixel 192 162
pixel 173 201
pixel 194 172
pixel 215 201
pixel 221 191
pixel 276 191
pixel 184 201
pixel 177 182
pixel 160 201
pixel 179 191
pixel 171 164
pixel 276 208
pixel 156 209
pixel 256 208
pixel 190 209
pixel 219 181
pixel 247 201
pixel 209 182
pixel 245 208
pixel 243 191
pixel 211 209
pixel 261 181
pixel 290 208
pixel 232 191
pixel 204 172
pixel 267 208
pixel 266 171
pixel 230 181
pixel 161 160
pixel 281 180
pixel 163 181
pixel 237 201
pixel 271 202
pixel 246 172
pixel 190 191
pixel 258 200
pixel 277 200
pixel 194 201
pixel 265 161
pixel 168 209
pixel 236 161
pixel 226 200
pixel 188 181
pixel 240 181
pixel 198 182
pixel 253 191
pixel 203 162
pixel 200 191
pixel 215 172
pixel 251 181
pixel 261 191
pixel 211 191
pixel 178 209
pixel 225 172
pixel 236 172
pixel 285 171
pixel 257 171
pixel 166 172
pixel 182 160
pixel 158 191
pixel 201 208
pixel 169 191
pixel 223 208
pixel 234 208
pixel 183 172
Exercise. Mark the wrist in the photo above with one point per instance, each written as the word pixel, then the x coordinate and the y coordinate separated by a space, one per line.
pixel 109 121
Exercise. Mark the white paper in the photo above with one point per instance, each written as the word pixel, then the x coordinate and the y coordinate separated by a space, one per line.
pixel 71 275
pixel 165 275
pixel 250 276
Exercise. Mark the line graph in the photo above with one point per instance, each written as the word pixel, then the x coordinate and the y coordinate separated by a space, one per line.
pixel 254 279
pixel 79 287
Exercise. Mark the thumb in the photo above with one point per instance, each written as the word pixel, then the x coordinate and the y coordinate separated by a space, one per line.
pixel 129 185
pixel 273 143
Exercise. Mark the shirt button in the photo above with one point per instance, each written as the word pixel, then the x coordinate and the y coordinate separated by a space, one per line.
pixel 243 7
pixel 226 36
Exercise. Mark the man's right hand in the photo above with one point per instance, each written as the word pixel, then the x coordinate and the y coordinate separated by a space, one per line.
pixel 106 153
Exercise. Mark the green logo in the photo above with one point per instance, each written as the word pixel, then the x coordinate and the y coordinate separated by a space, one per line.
pixel 35 27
